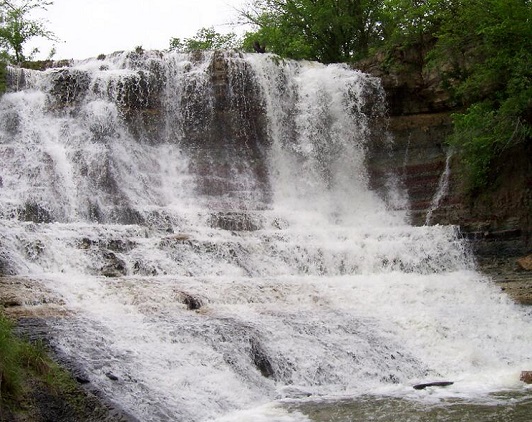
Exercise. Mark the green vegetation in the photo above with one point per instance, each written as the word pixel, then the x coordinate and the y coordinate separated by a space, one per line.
pixel 488 46
pixel 324 30
pixel 205 39
pixel 17 27
pixel 25 367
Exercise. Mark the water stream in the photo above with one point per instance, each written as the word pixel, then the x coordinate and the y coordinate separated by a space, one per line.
pixel 442 189
pixel 207 222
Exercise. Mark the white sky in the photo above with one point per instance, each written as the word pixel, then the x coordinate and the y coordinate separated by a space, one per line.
pixel 91 27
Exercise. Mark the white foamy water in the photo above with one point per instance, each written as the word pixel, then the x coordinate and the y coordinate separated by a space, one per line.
pixel 218 247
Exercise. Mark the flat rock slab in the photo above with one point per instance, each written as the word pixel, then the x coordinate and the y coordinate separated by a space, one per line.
pixel 23 297
pixel 512 280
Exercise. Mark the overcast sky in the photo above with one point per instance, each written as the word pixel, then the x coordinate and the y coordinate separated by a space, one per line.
pixel 91 27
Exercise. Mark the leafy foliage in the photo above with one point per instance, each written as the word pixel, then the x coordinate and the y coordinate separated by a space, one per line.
pixel 17 27
pixel 205 39
pixel 324 30
pixel 407 22
pixel 488 45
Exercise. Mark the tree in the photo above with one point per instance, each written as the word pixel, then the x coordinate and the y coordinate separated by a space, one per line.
pixel 487 47
pixel 325 30
pixel 17 27
pixel 408 22
pixel 205 39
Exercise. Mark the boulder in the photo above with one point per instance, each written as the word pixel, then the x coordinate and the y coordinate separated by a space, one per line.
pixel 114 266
pixel 526 377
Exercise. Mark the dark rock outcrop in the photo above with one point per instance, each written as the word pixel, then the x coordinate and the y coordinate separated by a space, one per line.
pixel 260 359
pixel 498 221
pixel 193 303
pixel 113 266
pixel 432 384
pixel 235 221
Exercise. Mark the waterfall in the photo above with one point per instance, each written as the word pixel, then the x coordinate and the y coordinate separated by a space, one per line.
pixel 442 189
pixel 205 224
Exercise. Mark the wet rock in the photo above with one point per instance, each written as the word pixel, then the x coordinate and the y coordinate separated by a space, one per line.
pixel 35 213
pixel 514 282
pixel 85 243
pixel 33 249
pixel 114 266
pixel 111 376
pixel 125 215
pixel 495 220
pixel 432 384
pixel 143 268
pixel 261 360
pixel 81 379
pixel 5 264
pixel 179 237
pixel 235 221
pixel 29 300
pixel 193 303
pixel 70 86
pixel 119 245
pixel 526 377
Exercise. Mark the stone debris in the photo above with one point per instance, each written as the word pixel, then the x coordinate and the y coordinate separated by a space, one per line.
pixel 526 377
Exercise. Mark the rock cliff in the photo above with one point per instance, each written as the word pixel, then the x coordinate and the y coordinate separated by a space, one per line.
pixel 498 221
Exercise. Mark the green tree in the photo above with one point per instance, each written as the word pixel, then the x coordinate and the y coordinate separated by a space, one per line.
pixel 486 45
pixel 17 27
pixel 325 30
pixel 205 39
pixel 408 22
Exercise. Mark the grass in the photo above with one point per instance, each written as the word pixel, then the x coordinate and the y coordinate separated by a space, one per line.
pixel 26 368
pixel 10 362
pixel 3 76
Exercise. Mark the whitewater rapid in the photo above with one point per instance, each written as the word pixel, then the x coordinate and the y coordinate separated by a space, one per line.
pixel 217 273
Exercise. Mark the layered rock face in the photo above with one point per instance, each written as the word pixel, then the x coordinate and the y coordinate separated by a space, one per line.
pixel 498 221
pixel 229 143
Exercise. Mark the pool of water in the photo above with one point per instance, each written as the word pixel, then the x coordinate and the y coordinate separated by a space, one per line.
pixel 509 406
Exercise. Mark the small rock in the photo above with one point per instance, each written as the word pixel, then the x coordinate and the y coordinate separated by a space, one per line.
pixel 193 303
pixel 526 377
pixel 80 376
pixel 525 263
pixel 111 376
pixel 82 380
pixel 432 384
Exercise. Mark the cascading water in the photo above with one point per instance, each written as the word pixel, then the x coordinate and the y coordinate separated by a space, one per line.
pixel 442 189
pixel 207 223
